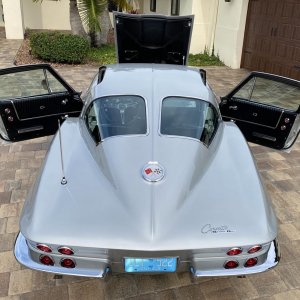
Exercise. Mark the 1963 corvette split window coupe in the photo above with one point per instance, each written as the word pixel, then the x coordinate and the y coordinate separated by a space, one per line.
pixel 148 173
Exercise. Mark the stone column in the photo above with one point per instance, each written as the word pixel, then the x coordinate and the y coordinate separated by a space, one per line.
pixel 13 19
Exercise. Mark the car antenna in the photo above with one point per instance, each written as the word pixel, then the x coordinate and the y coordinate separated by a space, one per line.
pixel 63 180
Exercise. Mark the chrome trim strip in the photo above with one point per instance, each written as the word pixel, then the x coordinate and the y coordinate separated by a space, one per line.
pixel 257 123
pixel 22 255
pixel 3 131
pixel 272 260
pixel 30 129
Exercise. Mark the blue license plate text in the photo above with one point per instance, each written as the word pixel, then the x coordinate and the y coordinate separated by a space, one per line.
pixel 164 264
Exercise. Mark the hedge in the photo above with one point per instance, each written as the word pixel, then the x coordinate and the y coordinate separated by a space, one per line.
pixel 59 47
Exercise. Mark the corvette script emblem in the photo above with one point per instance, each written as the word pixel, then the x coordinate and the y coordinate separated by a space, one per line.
pixel 153 172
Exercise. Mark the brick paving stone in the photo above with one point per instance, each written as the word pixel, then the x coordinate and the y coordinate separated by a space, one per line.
pixel 146 284
pixel 87 290
pixel 42 280
pixel 118 287
pixel 5 197
pixel 18 195
pixel 290 295
pixel 2 186
pixel 8 210
pixel 291 231
pixel 8 262
pixel 12 225
pixel 4 283
pixel 290 274
pixel 269 284
pixel 10 185
pixel 244 288
pixel 3 222
pixel 7 241
pixel 190 292
pixel 53 293
pixel 20 282
pixel 218 289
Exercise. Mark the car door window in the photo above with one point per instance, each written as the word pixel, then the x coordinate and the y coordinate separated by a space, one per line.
pixel 28 83
pixel 270 92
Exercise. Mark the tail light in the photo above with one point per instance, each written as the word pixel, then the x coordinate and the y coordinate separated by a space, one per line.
pixel 254 249
pixel 234 251
pixel 67 263
pixel 46 260
pixel 65 251
pixel 44 248
pixel 251 262
pixel 231 264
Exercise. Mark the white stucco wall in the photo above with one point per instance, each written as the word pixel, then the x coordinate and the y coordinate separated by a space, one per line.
pixel 163 7
pixel 230 31
pixel 46 15
pixel 205 17
pixel 14 27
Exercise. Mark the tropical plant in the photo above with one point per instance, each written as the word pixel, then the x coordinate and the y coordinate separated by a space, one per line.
pixel 93 14
pixel 90 10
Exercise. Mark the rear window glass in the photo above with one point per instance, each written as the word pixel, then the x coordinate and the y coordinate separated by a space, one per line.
pixel 117 115
pixel 189 117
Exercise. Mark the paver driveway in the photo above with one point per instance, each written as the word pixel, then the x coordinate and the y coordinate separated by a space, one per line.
pixel 20 162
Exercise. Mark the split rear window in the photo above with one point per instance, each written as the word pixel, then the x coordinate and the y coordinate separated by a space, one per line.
pixel 188 117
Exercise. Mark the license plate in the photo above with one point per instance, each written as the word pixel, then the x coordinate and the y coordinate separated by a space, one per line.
pixel 164 264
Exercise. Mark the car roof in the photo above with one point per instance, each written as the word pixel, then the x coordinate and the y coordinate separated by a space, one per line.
pixel 149 80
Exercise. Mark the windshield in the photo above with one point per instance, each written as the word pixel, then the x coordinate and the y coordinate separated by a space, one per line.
pixel 117 115
pixel 189 117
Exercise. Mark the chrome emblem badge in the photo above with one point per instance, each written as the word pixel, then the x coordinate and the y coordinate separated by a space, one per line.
pixel 153 172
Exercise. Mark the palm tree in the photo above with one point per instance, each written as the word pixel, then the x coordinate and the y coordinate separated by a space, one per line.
pixel 90 10
pixel 104 19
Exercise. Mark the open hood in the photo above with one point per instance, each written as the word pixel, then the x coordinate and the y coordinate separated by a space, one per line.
pixel 153 38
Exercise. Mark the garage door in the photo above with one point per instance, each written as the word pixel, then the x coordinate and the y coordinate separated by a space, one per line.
pixel 272 37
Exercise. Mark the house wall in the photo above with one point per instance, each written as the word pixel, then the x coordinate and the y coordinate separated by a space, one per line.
pixel 163 7
pixel 205 18
pixel 14 27
pixel 49 14
pixel 230 30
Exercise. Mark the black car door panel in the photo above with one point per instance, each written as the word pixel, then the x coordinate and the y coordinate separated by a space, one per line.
pixel 33 99
pixel 265 108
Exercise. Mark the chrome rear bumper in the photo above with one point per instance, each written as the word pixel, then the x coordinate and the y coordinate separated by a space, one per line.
pixel 90 267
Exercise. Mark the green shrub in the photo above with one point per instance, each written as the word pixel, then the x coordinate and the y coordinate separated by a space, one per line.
pixel 59 47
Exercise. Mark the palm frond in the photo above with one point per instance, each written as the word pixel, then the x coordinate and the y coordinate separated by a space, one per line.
pixel 90 11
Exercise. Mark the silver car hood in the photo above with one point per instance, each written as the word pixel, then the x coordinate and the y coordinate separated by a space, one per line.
pixel 209 197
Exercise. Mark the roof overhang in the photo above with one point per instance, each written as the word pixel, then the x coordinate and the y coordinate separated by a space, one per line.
pixel 153 38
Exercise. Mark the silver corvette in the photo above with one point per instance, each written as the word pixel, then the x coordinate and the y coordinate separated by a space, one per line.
pixel 148 173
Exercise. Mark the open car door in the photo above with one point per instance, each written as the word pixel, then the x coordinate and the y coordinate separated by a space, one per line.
pixel 266 108
pixel 32 100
